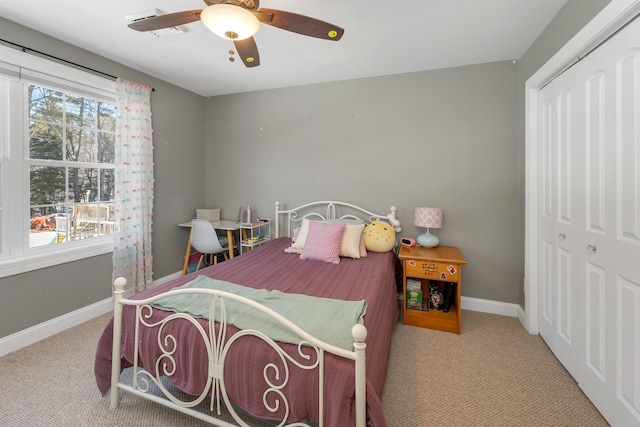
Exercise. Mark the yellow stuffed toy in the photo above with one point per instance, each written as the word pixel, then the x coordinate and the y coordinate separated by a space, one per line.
pixel 379 237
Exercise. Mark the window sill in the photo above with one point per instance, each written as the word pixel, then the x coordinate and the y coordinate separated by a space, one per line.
pixel 38 259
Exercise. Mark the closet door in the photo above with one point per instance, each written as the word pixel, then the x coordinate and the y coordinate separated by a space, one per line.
pixel 590 237
pixel 559 229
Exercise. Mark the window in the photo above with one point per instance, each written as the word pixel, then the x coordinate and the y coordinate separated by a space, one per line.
pixel 57 138
pixel 71 157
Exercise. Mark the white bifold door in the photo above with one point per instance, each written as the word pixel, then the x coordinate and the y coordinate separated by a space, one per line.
pixel 589 244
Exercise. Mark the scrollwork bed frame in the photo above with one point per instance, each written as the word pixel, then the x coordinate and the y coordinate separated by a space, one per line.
pixel 309 349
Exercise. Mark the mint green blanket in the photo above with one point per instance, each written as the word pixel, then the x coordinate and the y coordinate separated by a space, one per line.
pixel 329 320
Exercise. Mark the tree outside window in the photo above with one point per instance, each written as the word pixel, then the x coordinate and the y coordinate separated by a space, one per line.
pixel 71 163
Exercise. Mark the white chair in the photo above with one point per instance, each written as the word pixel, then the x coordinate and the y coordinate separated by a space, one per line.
pixel 204 239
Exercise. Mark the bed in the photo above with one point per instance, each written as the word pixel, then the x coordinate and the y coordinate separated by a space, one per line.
pixel 312 380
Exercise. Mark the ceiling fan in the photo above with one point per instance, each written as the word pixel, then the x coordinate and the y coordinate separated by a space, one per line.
pixel 239 20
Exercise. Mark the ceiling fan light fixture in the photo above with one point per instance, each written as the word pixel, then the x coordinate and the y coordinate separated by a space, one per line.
pixel 229 21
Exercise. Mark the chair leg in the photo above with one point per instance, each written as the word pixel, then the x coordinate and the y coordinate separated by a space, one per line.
pixel 205 260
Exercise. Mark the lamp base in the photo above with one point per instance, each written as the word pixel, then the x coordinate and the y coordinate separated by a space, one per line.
pixel 428 240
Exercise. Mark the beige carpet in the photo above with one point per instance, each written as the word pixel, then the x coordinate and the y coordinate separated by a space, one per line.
pixel 494 374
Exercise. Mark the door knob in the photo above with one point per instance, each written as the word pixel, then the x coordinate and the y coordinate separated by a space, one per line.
pixel 592 249
pixel 562 236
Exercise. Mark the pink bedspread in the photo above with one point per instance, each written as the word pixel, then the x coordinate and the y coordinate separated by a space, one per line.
pixel 373 278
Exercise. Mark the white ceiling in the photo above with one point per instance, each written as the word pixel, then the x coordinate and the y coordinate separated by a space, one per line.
pixel 381 37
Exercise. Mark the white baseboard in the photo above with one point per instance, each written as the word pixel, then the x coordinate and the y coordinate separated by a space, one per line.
pixel 165 279
pixel 488 306
pixel 44 330
pixel 51 327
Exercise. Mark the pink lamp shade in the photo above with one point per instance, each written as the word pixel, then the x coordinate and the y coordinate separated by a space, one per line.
pixel 428 218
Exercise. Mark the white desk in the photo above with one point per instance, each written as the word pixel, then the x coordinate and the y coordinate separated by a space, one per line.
pixel 229 226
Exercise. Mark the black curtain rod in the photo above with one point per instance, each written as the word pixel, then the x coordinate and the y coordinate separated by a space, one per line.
pixel 29 50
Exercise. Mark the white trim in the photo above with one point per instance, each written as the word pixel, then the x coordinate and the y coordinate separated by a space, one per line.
pixel 165 279
pixel 37 258
pixel 488 306
pixel 607 22
pixel 51 327
pixel 522 316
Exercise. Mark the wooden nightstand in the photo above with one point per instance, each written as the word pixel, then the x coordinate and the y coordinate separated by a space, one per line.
pixel 440 265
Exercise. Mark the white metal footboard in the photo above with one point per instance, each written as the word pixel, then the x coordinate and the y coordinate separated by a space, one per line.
pixel 217 345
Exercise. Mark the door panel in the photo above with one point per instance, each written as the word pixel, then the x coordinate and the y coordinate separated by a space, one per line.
pixel 548 285
pixel 564 156
pixel 595 336
pixel 628 353
pixel 559 129
pixel 595 148
pixel 548 218
pixel 628 149
pixel 565 296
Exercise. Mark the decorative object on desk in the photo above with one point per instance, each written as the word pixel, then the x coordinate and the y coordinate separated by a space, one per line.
pixel 429 218
pixel 245 214
pixel 208 214
pixel 435 296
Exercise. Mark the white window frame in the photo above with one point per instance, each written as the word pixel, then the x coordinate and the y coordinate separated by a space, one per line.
pixel 15 255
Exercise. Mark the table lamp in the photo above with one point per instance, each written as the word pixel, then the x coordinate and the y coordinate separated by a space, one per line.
pixel 429 218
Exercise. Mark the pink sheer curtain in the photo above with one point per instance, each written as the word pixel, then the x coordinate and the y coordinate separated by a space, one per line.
pixel 132 255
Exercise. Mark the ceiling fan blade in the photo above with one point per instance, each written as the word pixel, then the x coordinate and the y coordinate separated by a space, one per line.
pixel 248 51
pixel 263 17
pixel 165 21
pixel 303 24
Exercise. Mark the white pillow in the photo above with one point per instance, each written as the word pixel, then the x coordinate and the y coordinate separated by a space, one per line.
pixel 351 238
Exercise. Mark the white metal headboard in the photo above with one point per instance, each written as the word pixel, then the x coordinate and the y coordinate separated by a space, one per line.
pixel 332 209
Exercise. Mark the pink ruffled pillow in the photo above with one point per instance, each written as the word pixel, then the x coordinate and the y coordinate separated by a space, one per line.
pixel 323 242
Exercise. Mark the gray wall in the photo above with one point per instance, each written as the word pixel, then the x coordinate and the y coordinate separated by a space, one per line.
pixel 35 297
pixel 442 138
